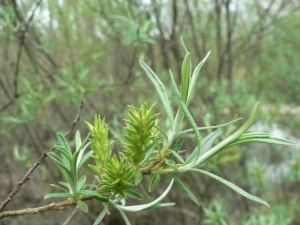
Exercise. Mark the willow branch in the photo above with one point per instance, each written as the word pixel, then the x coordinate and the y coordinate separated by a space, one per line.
pixel 52 206
pixel 36 164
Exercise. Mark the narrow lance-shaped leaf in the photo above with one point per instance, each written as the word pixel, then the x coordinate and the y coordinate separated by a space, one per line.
pixel 186 71
pixel 188 115
pixel 81 183
pixel 194 78
pixel 176 147
pixel 64 152
pixel 183 45
pixel 153 204
pixel 65 156
pixel 84 145
pixel 58 161
pixel 185 189
pixel 252 118
pixel 138 176
pixel 132 194
pixel 206 128
pixel 60 188
pixel 65 184
pixel 177 156
pixel 193 125
pixel 179 115
pixel 100 217
pixel 126 220
pixel 74 174
pixel 154 181
pixel 94 194
pixel 178 118
pixel 78 139
pixel 147 155
pixel 84 159
pixel 160 88
pixel 58 195
pixel 260 138
pixel 63 142
pixel 82 206
pixel 171 163
pixel 232 186
pixel 207 143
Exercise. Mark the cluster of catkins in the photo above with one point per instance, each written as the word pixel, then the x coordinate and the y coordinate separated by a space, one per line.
pixel 116 172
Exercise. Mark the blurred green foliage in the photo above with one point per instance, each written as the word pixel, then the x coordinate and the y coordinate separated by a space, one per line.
pixel 56 53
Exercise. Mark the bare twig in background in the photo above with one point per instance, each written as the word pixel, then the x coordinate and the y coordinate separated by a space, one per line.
pixel 194 31
pixel 22 42
pixel 74 212
pixel 36 164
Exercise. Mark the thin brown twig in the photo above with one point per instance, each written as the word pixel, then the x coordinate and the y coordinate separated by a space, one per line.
pixel 36 164
pixel 52 206
pixel 70 217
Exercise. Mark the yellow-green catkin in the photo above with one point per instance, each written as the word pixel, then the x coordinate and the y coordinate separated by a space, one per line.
pixel 118 175
pixel 141 133
pixel 100 144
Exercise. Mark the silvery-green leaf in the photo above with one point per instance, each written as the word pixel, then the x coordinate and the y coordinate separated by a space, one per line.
pixel 62 167
pixel 192 123
pixel 176 148
pixel 194 79
pixel 94 194
pixel 207 142
pixel 126 220
pixel 185 189
pixel 161 205
pixel 64 184
pixel 137 208
pixel 177 156
pixel 63 142
pixel 64 152
pixel 60 188
pixel 100 217
pixel 171 163
pixel 205 128
pixel 133 194
pixel 58 195
pixel 186 71
pixel 190 118
pixel 183 45
pixel 147 155
pixel 85 144
pixel 233 187
pixel 82 206
pixel 84 159
pixel 260 138
pixel 154 181
pixel 160 88
pixel 81 183
pixel 220 146
pixel 78 139
pixel 138 176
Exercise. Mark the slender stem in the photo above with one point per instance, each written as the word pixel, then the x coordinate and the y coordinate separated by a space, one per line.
pixel 48 207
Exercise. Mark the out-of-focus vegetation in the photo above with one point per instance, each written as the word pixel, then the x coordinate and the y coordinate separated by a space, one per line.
pixel 56 53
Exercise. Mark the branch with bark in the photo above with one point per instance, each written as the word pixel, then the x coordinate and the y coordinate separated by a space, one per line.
pixel 52 206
